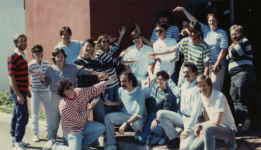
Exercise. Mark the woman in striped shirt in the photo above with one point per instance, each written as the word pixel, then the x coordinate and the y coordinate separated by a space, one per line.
pixel 217 40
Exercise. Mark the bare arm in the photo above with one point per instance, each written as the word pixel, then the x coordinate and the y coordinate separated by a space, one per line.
pixel 127 68
pixel 166 51
pixel 130 121
pixel 122 32
pixel 145 40
pixel 206 68
pixel 188 14
pixel 221 55
pixel 109 103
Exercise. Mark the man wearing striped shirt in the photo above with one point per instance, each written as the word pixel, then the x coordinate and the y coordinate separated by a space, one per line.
pixel 40 93
pixel 71 47
pixel 18 78
pixel 189 110
pixel 243 76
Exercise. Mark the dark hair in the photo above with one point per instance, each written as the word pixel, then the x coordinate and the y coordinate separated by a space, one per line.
pixel 204 78
pixel 60 86
pixel 67 29
pixel 163 74
pixel 131 77
pixel 17 36
pixel 136 32
pixel 192 66
pixel 164 13
pixel 56 51
pixel 162 25
pixel 88 41
pixel 240 28
pixel 36 46
pixel 196 26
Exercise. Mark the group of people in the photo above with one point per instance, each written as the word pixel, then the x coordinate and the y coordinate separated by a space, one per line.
pixel 160 99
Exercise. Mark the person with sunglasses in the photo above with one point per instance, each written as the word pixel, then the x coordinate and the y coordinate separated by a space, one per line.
pixel 103 51
pixel 40 93
pixel 139 51
pixel 217 40
pixel 194 50
pixel 167 61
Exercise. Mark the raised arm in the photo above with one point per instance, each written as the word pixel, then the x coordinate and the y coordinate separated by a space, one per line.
pixel 122 32
pixel 188 14
pixel 144 39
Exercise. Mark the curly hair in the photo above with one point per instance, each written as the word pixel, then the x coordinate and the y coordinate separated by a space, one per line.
pixel 60 86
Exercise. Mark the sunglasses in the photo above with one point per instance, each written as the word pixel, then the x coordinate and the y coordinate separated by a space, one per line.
pixel 68 86
pixel 193 31
pixel 37 51
pixel 159 31
pixel 136 37
pixel 105 41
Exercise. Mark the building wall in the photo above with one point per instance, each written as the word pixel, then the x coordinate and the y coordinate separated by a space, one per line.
pixel 12 21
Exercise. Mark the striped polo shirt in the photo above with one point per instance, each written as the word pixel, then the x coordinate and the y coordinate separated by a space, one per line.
pixel 218 103
pixel 74 111
pixel 106 57
pixel 17 66
pixel 172 32
pixel 37 85
pixel 195 53
pixel 216 40
pixel 72 50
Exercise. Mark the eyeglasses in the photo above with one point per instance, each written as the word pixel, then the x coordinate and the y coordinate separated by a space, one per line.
pixel 193 31
pixel 159 31
pixel 68 86
pixel 136 37
pixel 105 41
pixel 37 51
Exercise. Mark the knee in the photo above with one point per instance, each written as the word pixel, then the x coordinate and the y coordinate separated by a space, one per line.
pixel 183 146
pixel 137 125
pixel 142 140
pixel 160 114
pixel 207 130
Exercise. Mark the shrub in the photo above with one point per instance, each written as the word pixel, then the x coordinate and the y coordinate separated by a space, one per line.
pixel 6 103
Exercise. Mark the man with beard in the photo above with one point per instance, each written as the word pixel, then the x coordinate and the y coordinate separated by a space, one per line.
pixel 18 78
pixel 189 110
pixel 133 114
pixel 243 77
pixel 172 31
pixel 193 48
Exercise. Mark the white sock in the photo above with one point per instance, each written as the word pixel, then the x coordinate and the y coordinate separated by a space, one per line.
pixel 17 144
pixel 13 138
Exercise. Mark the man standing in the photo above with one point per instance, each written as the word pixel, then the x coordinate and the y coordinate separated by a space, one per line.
pixel 194 50
pixel 139 51
pixel 18 78
pixel 190 105
pixel 133 113
pixel 243 77
pixel 71 47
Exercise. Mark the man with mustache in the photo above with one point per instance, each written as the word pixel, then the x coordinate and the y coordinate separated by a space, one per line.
pixel 133 114
pixel 189 110
pixel 18 78
pixel 243 76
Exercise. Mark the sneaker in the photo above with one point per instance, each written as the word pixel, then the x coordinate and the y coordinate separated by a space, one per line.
pixel 95 143
pixel 232 146
pixel 112 147
pixel 20 143
pixel 48 145
pixel 35 138
pixel 162 141
pixel 172 144
pixel 246 125
pixel 20 147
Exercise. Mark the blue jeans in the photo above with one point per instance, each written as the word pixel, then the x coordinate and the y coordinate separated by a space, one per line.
pixel 142 138
pixel 88 135
pixel 241 92
pixel 208 140
pixel 112 95
pixel 20 117
pixel 99 111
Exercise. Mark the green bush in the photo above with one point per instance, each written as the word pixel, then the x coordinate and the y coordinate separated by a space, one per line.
pixel 6 103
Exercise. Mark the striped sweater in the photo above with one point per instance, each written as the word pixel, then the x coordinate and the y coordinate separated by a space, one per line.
pixel 74 111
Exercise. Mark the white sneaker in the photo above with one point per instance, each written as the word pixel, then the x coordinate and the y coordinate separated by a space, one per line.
pixel 35 138
pixel 112 147
pixel 20 143
pixel 48 145
pixel 20 147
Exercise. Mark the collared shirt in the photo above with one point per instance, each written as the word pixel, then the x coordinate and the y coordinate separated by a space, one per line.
pixel 190 103
pixel 167 61
pixel 216 40
pixel 172 32
pixel 218 103
pixel 133 102
pixel 139 68
pixel 37 85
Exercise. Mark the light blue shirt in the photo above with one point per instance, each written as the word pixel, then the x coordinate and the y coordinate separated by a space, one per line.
pixel 72 50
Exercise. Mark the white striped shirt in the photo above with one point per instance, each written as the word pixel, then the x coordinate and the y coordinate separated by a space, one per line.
pixel 218 103
pixel 37 85
pixel 72 50
pixel 74 111
pixel 172 32
pixel 216 40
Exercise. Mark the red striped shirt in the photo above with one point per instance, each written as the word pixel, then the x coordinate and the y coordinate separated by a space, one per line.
pixel 74 111
pixel 18 67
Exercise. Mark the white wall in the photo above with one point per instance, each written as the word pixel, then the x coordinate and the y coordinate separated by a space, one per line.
pixel 12 21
